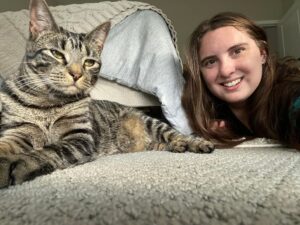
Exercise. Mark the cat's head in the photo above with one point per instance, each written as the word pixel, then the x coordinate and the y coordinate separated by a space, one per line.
pixel 67 63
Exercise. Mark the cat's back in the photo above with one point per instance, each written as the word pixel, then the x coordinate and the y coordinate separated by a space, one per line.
pixel 108 110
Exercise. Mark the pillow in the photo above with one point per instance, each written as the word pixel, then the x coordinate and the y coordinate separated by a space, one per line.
pixel 140 53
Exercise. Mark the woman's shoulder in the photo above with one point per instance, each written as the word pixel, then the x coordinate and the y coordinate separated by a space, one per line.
pixel 286 88
pixel 287 67
pixel 287 78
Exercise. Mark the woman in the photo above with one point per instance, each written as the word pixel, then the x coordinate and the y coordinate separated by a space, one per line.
pixel 235 89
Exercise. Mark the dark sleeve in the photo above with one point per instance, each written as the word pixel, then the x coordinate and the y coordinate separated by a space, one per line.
pixel 294 119
pixel 285 101
pixel 234 123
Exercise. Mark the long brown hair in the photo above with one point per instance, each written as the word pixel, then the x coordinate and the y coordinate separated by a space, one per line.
pixel 201 106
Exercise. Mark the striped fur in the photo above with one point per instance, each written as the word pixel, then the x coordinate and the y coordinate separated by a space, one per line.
pixel 49 121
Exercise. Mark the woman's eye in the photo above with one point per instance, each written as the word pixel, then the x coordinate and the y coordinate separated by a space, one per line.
pixel 57 54
pixel 209 63
pixel 89 63
pixel 238 51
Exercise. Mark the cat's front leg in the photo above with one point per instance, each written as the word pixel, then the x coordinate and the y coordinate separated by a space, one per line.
pixel 25 166
pixel 174 140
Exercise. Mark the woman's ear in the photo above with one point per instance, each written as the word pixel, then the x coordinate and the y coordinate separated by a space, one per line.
pixel 263 55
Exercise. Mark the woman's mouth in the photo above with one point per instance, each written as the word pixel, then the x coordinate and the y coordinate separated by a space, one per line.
pixel 232 83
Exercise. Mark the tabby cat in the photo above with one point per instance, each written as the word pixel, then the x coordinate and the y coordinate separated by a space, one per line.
pixel 49 121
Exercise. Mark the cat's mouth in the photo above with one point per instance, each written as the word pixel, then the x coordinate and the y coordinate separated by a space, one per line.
pixel 72 86
pixel 75 88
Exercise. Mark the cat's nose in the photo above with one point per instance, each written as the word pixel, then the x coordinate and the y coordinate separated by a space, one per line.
pixel 75 76
pixel 75 71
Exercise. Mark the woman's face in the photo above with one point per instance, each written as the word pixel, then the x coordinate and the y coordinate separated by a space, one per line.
pixel 231 64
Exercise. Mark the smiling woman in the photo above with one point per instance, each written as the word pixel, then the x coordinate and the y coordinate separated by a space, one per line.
pixel 231 69
pixel 235 89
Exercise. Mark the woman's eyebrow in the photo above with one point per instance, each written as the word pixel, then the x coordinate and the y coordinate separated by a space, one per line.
pixel 207 58
pixel 229 49
pixel 243 44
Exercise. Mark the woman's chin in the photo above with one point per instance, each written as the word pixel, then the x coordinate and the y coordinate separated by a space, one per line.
pixel 237 103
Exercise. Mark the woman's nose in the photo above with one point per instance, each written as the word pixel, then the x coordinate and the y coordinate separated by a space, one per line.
pixel 227 67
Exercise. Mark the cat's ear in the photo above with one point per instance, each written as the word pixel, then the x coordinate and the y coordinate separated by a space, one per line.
pixel 41 18
pixel 98 36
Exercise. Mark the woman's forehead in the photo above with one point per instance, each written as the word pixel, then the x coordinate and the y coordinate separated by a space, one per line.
pixel 221 39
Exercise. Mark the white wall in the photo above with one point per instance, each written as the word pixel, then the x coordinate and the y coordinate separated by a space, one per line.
pixel 186 14
pixel 286 4
pixel 289 32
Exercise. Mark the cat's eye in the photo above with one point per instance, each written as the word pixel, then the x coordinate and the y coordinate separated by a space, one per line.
pixel 57 54
pixel 89 63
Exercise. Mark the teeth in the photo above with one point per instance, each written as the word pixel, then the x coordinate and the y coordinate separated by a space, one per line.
pixel 232 83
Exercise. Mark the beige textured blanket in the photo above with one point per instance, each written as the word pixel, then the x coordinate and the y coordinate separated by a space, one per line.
pixel 76 17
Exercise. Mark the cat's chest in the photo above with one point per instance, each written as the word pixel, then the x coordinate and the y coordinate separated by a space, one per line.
pixel 44 118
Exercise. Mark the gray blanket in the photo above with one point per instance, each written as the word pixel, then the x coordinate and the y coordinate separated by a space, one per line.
pixel 232 186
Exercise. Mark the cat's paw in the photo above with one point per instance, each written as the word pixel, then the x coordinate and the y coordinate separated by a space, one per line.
pixel 200 145
pixel 15 169
pixel 196 144
pixel 4 172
